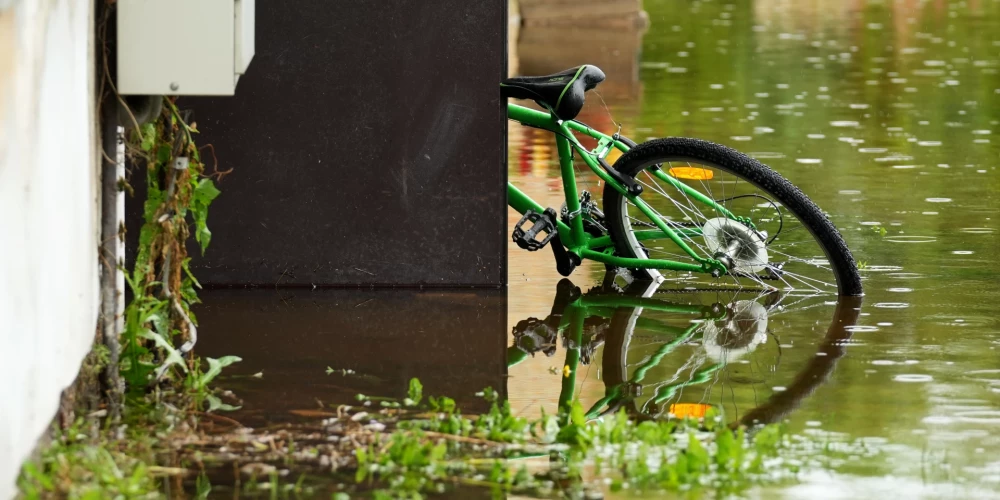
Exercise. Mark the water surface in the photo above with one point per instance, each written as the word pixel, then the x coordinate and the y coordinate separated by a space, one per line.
pixel 886 114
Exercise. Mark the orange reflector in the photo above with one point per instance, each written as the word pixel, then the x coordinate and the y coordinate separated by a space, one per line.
pixel 689 410
pixel 613 155
pixel 692 173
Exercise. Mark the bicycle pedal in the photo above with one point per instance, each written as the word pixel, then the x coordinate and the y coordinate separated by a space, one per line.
pixel 541 224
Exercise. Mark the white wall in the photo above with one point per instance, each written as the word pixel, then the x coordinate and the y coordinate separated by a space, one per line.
pixel 48 215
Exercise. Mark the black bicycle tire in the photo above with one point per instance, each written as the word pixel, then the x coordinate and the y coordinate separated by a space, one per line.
pixel 707 153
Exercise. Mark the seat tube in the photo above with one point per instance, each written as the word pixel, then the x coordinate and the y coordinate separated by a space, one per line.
pixel 569 188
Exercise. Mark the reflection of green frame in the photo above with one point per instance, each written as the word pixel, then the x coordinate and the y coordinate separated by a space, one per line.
pixel 616 395
pixel 571 309
pixel 707 313
pixel 572 323
pixel 572 235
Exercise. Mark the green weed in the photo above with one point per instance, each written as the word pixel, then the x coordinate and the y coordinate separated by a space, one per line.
pixel 425 445
pixel 420 456
pixel 197 383
pixel 159 315
pixel 88 463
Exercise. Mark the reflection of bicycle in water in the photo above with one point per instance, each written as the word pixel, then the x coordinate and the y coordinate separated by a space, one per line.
pixel 687 352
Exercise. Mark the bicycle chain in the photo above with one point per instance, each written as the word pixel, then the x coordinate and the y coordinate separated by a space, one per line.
pixel 671 222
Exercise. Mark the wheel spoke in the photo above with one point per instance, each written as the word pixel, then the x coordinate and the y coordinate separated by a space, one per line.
pixel 805 280
pixel 801 268
pixel 812 263
pixel 676 225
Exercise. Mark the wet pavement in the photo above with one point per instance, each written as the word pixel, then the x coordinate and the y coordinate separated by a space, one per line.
pixel 884 113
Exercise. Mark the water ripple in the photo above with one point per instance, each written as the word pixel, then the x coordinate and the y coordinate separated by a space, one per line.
pixel 911 239
pixel 892 305
pixel 979 416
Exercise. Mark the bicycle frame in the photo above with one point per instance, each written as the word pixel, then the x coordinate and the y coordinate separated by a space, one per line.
pixel 572 235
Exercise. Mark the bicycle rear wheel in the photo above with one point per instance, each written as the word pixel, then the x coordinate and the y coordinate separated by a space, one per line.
pixel 793 246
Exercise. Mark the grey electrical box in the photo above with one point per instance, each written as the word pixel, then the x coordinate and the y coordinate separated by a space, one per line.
pixel 183 47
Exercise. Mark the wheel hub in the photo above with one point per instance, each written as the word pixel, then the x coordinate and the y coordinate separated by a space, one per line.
pixel 741 332
pixel 737 246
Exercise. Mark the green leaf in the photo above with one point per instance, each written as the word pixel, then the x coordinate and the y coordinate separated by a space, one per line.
pixel 185 265
pixel 443 404
pixel 726 449
pixel 362 471
pixel 438 452
pixel 202 487
pixel 163 154
pixel 31 471
pixel 152 205
pixel 215 367
pixel 189 293
pixel 490 395
pixel 576 414
pixel 214 404
pixel 202 197
pixel 697 454
pixel 206 191
pixel 416 392
pixel 174 356
pixel 203 235
pixel 148 137
pixel 189 287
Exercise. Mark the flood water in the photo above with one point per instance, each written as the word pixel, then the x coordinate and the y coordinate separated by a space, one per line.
pixel 887 114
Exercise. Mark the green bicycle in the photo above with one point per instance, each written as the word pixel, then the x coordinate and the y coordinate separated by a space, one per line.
pixel 704 214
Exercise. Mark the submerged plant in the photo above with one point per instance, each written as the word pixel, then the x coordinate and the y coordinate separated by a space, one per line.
pixel 426 454
pixel 425 445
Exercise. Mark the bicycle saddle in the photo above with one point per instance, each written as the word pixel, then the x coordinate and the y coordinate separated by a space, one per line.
pixel 562 93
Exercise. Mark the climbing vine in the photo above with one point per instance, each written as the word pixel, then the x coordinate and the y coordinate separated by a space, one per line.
pixel 151 350
pixel 160 328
